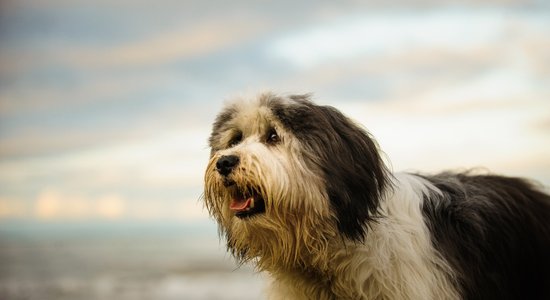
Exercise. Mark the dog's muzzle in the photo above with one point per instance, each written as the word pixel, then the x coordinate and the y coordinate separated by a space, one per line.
pixel 246 201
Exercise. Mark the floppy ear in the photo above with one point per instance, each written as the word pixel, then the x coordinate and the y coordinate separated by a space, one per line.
pixel 354 173
pixel 355 176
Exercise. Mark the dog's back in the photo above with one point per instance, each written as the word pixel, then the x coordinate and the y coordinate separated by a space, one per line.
pixel 494 231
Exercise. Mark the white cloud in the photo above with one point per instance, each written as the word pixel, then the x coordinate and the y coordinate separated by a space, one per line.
pixel 417 134
pixel 175 156
pixel 393 33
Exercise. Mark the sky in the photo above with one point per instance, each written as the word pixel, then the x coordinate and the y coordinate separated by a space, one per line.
pixel 106 107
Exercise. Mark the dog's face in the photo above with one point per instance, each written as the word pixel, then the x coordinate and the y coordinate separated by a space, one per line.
pixel 286 177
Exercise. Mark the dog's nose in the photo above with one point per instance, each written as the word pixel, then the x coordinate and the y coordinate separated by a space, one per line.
pixel 226 164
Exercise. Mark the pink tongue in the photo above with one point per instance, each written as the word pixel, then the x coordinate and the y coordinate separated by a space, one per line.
pixel 240 204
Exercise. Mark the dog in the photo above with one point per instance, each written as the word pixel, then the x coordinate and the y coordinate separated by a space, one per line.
pixel 301 191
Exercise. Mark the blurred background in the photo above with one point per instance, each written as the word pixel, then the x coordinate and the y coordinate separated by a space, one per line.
pixel 106 107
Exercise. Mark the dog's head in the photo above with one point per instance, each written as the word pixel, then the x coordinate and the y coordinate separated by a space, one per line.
pixel 287 176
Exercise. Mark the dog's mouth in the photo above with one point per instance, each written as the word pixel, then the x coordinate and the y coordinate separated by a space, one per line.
pixel 246 202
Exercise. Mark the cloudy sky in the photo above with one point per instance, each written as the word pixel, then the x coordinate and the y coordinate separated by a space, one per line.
pixel 106 106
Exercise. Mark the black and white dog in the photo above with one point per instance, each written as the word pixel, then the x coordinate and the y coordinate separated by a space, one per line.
pixel 301 191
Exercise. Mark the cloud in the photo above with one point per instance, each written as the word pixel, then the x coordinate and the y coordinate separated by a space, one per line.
pixel 105 129
pixel 381 34
pixel 67 127
pixel 181 42
pixel 145 179
pixel 515 47
pixel 420 133
pixel 171 160
pixel 111 207
pixel 51 204
pixel 54 204
pixel 10 208
pixel 193 211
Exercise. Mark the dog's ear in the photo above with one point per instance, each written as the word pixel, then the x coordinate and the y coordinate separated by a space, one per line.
pixel 355 176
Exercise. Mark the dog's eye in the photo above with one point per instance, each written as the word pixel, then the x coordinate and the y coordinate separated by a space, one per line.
pixel 237 138
pixel 272 137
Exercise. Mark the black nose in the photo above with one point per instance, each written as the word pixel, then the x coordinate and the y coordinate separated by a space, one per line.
pixel 226 164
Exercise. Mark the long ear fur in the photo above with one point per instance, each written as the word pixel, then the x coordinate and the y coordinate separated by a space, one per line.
pixel 354 173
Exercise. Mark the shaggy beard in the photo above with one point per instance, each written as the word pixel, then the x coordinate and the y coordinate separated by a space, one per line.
pixel 290 234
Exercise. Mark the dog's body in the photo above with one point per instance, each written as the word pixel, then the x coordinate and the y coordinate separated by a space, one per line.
pixel 302 192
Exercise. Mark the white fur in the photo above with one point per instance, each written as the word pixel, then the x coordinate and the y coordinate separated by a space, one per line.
pixel 397 260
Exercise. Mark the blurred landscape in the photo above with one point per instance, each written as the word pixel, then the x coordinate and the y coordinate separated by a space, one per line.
pixel 106 108
pixel 119 261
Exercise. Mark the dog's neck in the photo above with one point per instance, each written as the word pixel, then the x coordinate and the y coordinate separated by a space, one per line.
pixel 395 253
pixel 318 275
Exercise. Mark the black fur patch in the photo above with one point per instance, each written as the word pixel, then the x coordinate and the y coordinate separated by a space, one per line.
pixel 354 173
pixel 495 232
pixel 221 120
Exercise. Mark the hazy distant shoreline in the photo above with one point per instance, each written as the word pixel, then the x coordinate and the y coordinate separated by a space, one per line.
pixel 119 261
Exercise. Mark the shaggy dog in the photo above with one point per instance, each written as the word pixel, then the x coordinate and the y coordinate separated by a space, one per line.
pixel 301 191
